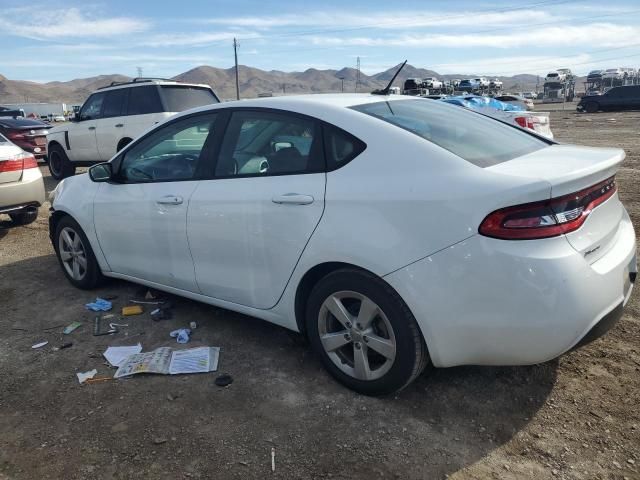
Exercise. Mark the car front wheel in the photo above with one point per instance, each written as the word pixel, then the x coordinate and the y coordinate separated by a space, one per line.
pixel 76 256
pixel 364 333
pixel 591 107
pixel 59 164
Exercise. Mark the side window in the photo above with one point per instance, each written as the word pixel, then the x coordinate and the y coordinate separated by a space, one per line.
pixel 114 103
pixel 143 100
pixel 340 147
pixel 171 153
pixel 92 107
pixel 265 143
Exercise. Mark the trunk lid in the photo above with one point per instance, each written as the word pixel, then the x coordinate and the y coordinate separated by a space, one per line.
pixel 9 171
pixel 569 169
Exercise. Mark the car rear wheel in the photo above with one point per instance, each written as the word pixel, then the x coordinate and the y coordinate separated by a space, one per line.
pixel 24 218
pixel 364 333
pixel 59 164
pixel 76 256
pixel 591 107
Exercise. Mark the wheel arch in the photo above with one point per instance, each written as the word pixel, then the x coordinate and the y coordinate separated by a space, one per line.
pixel 312 277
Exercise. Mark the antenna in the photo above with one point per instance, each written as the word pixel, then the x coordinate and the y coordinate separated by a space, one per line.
pixel 385 90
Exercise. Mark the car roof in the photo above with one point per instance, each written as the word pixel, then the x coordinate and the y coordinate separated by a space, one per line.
pixel 150 82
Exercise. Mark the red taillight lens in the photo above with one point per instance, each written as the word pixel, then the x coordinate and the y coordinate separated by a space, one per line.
pixel 527 122
pixel 21 161
pixel 548 218
pixel 15 136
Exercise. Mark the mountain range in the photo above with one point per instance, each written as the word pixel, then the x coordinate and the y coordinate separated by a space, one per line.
pixel 253 82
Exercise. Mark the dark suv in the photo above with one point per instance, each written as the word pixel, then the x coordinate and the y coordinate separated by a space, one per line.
pixel 618 98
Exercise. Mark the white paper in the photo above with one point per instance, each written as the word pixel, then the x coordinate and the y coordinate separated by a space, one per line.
pixel 83 376
pixel 192 360
pixel 116 356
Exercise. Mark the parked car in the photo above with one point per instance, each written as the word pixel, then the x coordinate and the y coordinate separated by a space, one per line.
pixel 537 122
pixel 30 135
pixel 594 75
pixel 113 116
pixel 264 207
pixel 482 82
pixel 529 95
pixel 468 85
pixel 11 112
pixel 616 98
pixel 58 118
pixel 614 73
pixel 432 83
pixel 21 185
pixel 525 103
pixel 555 77
pixel 495 84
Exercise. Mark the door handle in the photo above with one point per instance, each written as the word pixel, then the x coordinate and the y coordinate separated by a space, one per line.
pixel 169 200
pixel 293 199
pixel 118 125
pixel 92 128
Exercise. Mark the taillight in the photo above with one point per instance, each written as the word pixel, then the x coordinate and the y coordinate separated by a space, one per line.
pixel 548 218
pixel 527 122
pixel 20 161
pixel 15 136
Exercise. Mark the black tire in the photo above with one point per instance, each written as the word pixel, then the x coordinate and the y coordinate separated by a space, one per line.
pixel 92 277
pixel 59 164
pixel 411 355
pixel 24 218
pixel 591 107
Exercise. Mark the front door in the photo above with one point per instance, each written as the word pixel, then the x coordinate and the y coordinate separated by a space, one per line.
pixel 249 225
pixel 140 219
pixel 82 134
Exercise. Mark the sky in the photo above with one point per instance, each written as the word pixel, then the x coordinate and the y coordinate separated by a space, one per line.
pixel 62 40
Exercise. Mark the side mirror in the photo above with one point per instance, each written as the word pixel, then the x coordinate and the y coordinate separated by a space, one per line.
pixel 101 172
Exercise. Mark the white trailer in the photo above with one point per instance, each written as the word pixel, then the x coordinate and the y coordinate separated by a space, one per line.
pixel 48 110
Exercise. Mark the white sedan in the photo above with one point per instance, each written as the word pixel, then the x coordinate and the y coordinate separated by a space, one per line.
pixel 395 232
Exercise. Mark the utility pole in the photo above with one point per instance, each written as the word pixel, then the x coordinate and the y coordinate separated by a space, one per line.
pixel 139 70
pixel 235 54
pixel 357 74
pixel 342 80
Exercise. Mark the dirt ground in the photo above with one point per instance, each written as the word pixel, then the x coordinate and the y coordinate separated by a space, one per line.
pixel 575 417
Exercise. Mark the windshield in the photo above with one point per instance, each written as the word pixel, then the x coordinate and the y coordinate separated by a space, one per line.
pixel 480 140
pixel 178 98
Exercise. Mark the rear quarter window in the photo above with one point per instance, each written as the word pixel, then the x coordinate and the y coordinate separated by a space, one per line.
pixel 478 139
pixel 181 98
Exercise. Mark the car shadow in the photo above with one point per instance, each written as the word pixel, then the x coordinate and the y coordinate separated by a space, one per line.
pixel 446 420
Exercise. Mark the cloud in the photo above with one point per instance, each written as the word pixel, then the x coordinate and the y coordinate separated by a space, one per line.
pixel 194 39
pixel 512 65
pixel 601 34
pixel 40 24
pixel 384 20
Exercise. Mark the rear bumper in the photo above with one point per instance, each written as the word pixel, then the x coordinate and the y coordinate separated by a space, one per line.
pixel 494 302
pixel 27 192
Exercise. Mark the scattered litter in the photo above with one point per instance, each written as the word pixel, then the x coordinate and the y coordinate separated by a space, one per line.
pixel 98 379
pixel 19 329
pixel 224 380
pixel 116 325
pixel 117 355
pixel 273 459
pixel 162 313
pixel 165 361
pixel 181 335
pixel 97 330
pixel 111 297
pixel 132 310
pixel 148 302
pixel 100 305
pixel 63 346
pixel 84 376
pixel 38 345
pixel 52 328
pixel 159 440
pixel 193 325
pixel 71 327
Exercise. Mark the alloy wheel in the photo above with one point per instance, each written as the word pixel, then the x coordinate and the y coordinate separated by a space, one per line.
pixel 356 335
pixel 72 253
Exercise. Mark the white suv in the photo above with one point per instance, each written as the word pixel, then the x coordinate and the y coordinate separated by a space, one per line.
pixel 115 115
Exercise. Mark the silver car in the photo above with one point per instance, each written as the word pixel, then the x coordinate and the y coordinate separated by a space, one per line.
pixel 21 185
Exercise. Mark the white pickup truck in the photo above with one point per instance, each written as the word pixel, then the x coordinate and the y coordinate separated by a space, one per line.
pixel 113 116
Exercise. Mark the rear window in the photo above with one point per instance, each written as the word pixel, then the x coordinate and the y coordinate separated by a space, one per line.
pixel 3 140
pixel 179 98
pixel 480 140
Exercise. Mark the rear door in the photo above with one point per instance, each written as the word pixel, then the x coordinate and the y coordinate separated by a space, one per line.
pixel 110 127
pixel 144 110
pixel 249 225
